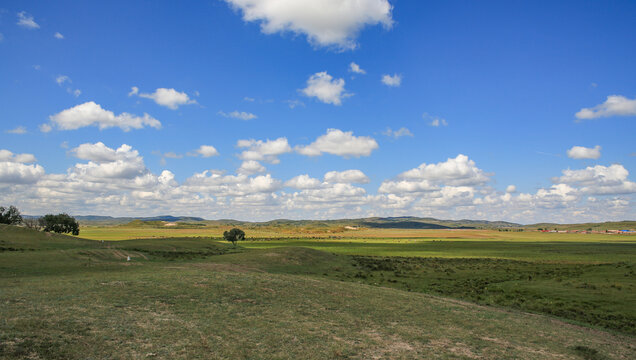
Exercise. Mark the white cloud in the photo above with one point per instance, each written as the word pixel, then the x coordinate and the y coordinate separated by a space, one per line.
pixel 437 122
pixel 456 171
pixel 61 79
pixel 205 151
pixel 615 105
pixel 303 182
pixel 397 133
pixel 331 23
pixel 59 36
pixel 169 98
pixel 18 130
pixel 238 115
pixel 8 156
pixel 511 189
pixel 325 88
pixel 581 152
pixel 338 142
pixel 19 173
pixel 355 68
pixel 394 80
pixel 294 103
pixel 25 20
pixel 346 177
pixel 249 99
pixel 45 128
pixel 92 114
pixel 250 167
pixel 98 152
pixel 599 179
pixel 172 155
pixel 260 150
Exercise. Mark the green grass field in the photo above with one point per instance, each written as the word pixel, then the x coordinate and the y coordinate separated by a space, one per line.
pixel 451 297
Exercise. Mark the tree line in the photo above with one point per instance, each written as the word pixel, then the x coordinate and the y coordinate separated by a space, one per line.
pixel 60 223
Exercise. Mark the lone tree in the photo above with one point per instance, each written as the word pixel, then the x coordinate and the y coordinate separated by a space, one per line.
pixel 60 223
pixel 10 216
pixel 234 235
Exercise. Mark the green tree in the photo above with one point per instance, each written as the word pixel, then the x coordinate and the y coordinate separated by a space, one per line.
pixel 234 235
pixel 60 223
pixel 10 216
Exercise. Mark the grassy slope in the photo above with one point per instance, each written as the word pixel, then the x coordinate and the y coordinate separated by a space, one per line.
pixel 70 298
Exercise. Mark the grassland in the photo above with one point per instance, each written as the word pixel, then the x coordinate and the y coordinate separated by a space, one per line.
pixel 464 295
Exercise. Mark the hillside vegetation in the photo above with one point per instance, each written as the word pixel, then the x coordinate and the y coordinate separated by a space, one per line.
pixel 66 298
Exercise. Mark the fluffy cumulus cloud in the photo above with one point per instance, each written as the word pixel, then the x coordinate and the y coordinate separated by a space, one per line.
pixel 581 152
pixel 92 114
pixel 346 177
pixel 17 168
pixel 615 105
pixel 325 88
pixel 242 115
pixel 169 98
pixel 394 80
pixel 338 142
pixel 328 23
pixel 599 179
pixel 303 182
pixel 115 180
pixel 205 151
pixel 26 21
pixel 250 167
pixel 260 150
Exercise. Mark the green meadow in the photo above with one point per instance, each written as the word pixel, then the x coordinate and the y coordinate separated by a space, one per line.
pixel 393 294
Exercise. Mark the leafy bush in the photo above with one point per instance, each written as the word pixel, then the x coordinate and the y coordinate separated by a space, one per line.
pixel 234 235
pixel 60 223
pixel 10 216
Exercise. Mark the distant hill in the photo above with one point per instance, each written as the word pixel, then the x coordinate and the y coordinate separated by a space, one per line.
pixel 393 222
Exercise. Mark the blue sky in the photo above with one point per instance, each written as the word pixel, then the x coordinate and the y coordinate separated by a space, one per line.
pixel 252 109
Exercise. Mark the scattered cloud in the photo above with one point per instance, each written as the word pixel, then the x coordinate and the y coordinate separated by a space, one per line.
pixel 346 177
pixel 599 180
pixel 205 151
pixel 437 122
pixel 45 128
pixel 294 103
pixel 325 88
pixel 326 23
pixel 581 152
pixel 8 156
pixel 355 68
pixel 397 133
pixel 511 189
pixel 338 142
pixel 59 36
pixel 242 115
pixel 615 105
pixel 250 167
pixel 169 98
pixel 92 114
pixel 37 67
pixel 14 168
pixel 249 99
pixel 61 79
pixel 18 130
pixel 303 182
pixel 394 80
pixel 172 155
pixel 260 150
pixel 26 21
